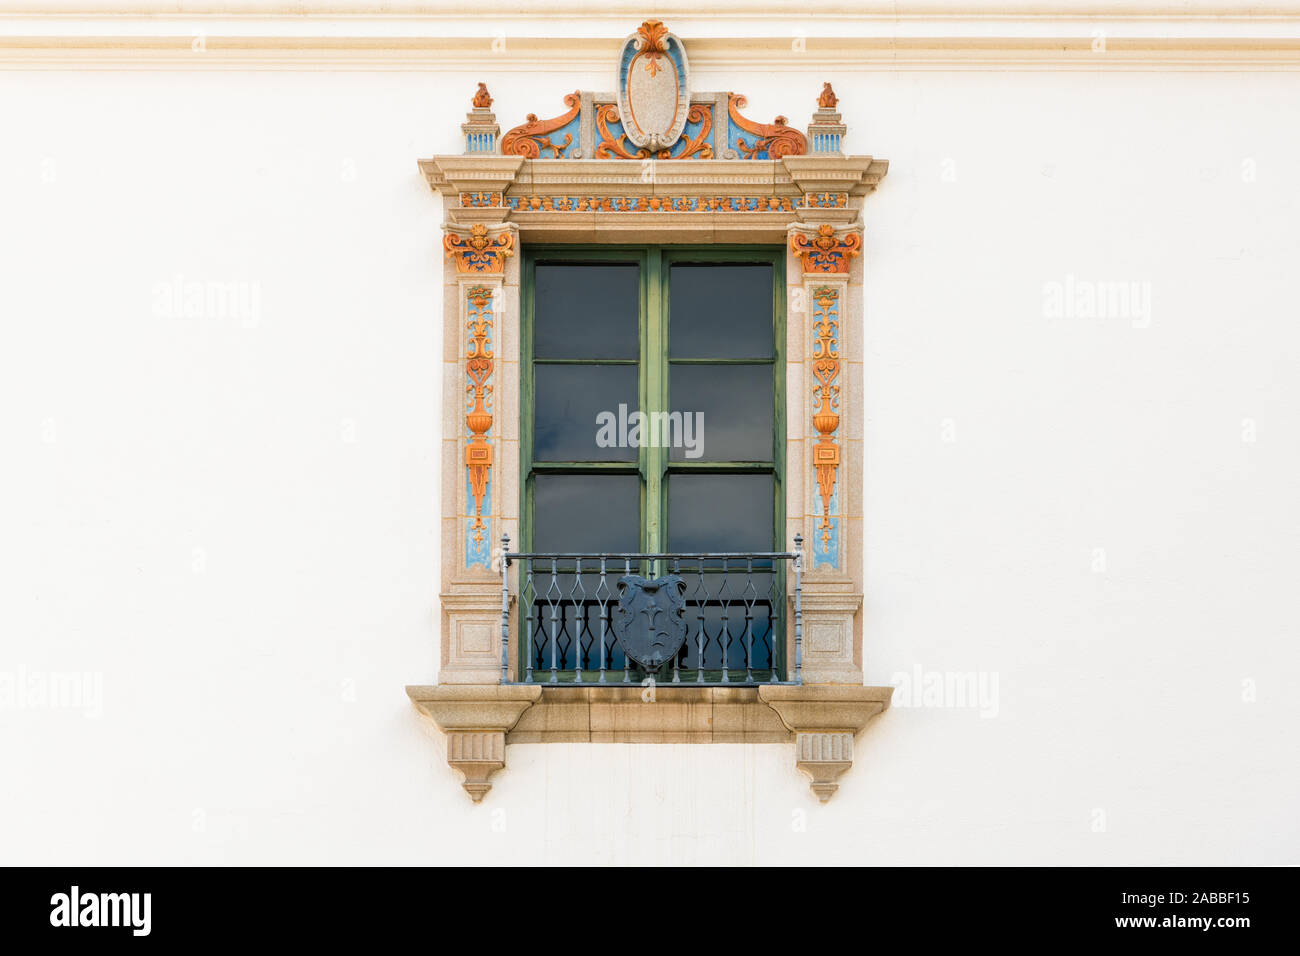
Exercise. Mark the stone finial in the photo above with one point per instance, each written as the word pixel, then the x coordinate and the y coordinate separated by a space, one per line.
pixel 826 132
pixel 480 126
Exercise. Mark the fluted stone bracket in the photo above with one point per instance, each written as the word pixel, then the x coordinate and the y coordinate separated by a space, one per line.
pixel 481 719
pixel 825 719
pixel 476 719
pixel 823 757
pixel 477 754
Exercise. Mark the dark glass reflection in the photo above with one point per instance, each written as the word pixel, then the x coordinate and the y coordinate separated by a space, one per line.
pixel 587 513
pixel 728 619
pixel 568 400
pixel 720 311
pixel 736 402
pixel 563 613
pixel 586 311
pixel 720 512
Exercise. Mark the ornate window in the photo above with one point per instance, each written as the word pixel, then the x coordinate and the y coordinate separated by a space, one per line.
pixel 652 247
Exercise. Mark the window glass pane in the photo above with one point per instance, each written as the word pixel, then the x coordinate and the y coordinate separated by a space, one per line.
pixel 720 512
pixel 736 404
pixel 720 311
pixel 586 311
pixel 587 513
pixel 568 401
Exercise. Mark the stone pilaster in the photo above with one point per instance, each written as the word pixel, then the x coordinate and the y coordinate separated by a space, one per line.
pixel 823 463
pixel 480 444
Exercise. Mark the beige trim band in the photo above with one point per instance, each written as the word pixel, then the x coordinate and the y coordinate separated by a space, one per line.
pixel 545 56
pixel 475 9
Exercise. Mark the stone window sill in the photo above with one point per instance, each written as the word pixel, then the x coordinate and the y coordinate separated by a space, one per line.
pixel 480 719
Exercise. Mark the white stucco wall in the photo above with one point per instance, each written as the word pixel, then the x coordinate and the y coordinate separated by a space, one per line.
pixel 230 521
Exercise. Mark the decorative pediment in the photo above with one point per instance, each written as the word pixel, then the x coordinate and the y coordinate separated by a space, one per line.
pixel 652 113
pixel 704 167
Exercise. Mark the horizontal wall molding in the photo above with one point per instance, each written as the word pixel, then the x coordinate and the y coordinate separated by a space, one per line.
pixel 566 57
pixel 539 36
pixel 508 9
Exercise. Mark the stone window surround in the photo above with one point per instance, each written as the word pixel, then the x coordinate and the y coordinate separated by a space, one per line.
pixel 500 203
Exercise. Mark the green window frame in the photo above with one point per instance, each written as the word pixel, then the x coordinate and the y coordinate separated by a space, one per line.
pixel 654 464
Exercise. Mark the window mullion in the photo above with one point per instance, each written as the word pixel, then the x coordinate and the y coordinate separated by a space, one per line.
pixel 654 397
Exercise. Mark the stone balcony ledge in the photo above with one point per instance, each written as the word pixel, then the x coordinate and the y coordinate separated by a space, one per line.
pixel 481 719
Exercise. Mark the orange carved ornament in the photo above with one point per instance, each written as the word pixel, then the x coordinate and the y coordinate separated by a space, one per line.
pixel 479 252
pixel 826 395
pixel 776 138
pixel 826 252
pixel 479 365
pixel 532 138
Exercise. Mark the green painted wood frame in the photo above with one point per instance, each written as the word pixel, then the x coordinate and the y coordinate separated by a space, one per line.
pixel 653 465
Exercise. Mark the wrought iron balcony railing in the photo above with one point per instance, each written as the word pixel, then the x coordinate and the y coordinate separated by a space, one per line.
pixel 700 618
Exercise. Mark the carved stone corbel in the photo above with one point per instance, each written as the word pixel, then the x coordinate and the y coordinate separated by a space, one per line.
pixel 824 719
pixel 823 757
pixel 476 719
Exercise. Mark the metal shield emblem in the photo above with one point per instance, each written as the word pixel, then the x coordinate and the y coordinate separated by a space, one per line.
pixel 649 620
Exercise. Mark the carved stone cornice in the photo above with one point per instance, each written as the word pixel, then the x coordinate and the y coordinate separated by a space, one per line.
pixel 792 176
pixel 827 708
pixel 473 598
pixel 474 706
pixel 822 598
pixel 856 175
pixel 453 175
pixel 574 200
